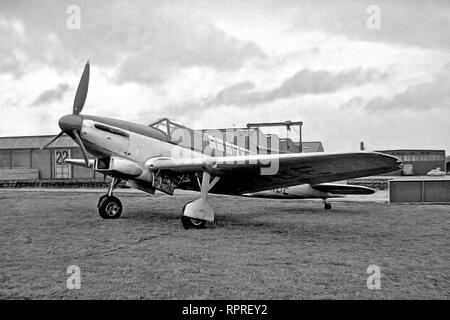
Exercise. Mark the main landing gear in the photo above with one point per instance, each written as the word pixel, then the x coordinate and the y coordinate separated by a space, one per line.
pixel 110 207
pixel 326 204
pixel 196 213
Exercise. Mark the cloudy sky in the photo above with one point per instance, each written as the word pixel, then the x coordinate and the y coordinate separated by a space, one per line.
pixel 226 63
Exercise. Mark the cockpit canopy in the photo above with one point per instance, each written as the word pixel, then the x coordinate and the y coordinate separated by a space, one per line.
pixel 175 132
pixel 197 140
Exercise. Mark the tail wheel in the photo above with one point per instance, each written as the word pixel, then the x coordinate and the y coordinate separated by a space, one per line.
pixel 193 223
pixel 110 207
pixel 189 222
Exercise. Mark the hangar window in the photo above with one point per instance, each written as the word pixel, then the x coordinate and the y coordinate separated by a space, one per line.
pixel 407 158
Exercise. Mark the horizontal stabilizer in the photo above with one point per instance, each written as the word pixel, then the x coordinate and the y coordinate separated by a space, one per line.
pixel 342 188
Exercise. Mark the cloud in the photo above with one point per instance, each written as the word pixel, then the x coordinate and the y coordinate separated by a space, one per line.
pixel 423 96
pixel 228 95
pixel 11 35
pixel 142 42
pixel 303 82
pixel 185 44
pixel 413 22
pixel 51 95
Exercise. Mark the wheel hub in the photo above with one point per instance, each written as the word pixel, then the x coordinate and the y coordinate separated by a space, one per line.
pixel 112 209
pixel 196 222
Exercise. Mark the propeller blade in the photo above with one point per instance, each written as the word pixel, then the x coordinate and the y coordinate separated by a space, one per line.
pixel 82 90
pixel 53 140
pixel 83 149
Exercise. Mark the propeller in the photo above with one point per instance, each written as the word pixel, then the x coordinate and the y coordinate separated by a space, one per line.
pixel 82 90
pixel 80 142
pixel 53 140
pixel 71 124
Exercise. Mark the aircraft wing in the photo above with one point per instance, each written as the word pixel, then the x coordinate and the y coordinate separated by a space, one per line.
pixel 243 174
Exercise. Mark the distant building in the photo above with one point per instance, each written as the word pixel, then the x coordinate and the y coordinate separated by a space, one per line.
pixel 314 146
pixel 418 162
pixel 22 159
pixel 286 146
pixel 447 164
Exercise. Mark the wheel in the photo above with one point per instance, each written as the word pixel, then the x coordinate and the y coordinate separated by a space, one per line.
pixel 110 207
pixel 193 223
pixel 189 222
pixel 327 206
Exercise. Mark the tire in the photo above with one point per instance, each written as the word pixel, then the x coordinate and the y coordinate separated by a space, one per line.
pixel 110 207
pixel 327 206
pixel 189 222
pixel 101 199
pixel 193 223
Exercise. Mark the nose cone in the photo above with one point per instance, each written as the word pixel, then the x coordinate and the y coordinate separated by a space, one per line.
pixel 70 122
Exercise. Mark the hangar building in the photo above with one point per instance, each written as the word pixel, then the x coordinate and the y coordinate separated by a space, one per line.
pixel 418 162
pixel 22 159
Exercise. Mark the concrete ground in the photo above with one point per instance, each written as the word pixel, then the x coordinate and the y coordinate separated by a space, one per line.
pixel 271 249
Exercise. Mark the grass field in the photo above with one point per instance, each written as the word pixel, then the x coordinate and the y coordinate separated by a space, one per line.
pixel 256 249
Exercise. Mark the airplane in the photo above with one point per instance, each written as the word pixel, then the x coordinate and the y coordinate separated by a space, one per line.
pixel 322 191
pixel 165 156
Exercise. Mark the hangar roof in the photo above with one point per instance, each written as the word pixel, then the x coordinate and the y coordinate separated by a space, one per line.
pixel 35 142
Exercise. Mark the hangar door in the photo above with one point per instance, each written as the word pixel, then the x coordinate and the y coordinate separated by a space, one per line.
pixel 62 169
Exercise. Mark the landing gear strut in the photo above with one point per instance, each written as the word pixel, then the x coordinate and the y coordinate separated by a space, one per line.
pixel 196 213
pixel 110 207
pixel 326 204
